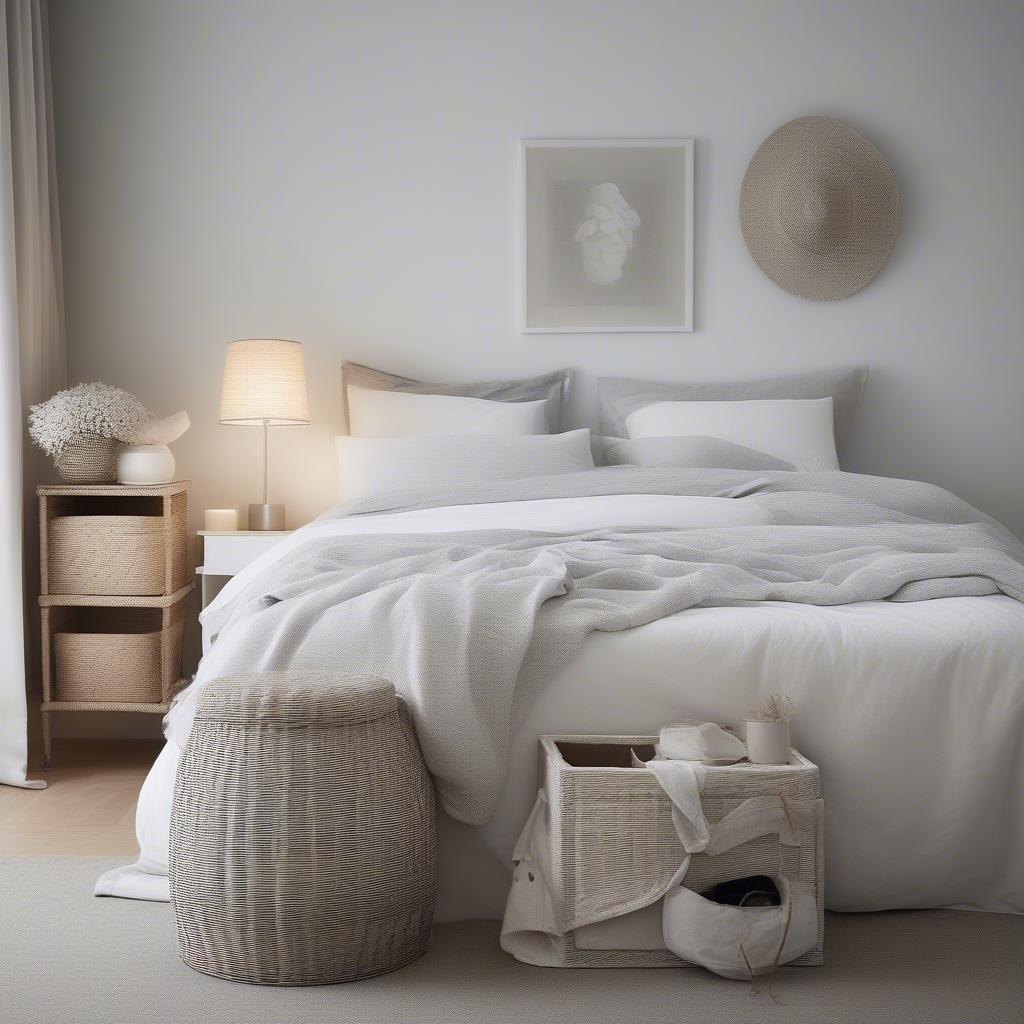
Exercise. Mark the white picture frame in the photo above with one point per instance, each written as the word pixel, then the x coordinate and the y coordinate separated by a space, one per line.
pixel 631 272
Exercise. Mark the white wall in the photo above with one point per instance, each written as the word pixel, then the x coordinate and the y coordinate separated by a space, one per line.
pixel 345 174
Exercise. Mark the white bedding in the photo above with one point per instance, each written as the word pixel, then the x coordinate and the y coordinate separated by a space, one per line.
pixel 914 712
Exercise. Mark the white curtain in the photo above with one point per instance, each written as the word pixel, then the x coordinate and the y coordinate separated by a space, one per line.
pixel 33 361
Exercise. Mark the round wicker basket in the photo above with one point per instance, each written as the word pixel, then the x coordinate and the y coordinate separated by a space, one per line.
pixel 89 459
pixel 303 846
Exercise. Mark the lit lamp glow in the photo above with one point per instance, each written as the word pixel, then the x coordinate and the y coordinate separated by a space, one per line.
pixel 264 386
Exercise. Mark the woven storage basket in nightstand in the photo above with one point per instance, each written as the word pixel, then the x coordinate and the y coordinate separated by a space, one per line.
pixel 107 555
pixel 124 660
pixel 303 844
pixel 612 839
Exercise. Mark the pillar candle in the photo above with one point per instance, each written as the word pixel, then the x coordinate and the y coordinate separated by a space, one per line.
pixel 221 519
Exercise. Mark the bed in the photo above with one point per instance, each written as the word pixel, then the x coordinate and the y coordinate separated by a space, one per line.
pixel 511 589
pixel 911 701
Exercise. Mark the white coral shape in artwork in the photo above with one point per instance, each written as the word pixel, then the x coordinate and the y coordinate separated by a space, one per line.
pixel 606 236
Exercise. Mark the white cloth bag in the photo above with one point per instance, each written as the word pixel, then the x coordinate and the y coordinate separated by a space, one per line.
pixel 735 942
pixel 739 942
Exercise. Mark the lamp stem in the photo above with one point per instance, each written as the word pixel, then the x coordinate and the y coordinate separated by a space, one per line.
pixel 266 430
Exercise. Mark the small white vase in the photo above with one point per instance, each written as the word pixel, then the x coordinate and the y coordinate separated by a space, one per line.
pixel 768 742
pixel 144 465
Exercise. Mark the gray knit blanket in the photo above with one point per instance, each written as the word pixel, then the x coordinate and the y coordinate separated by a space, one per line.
pixel 470 625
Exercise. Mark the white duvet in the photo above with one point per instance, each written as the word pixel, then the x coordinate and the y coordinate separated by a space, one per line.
pixel 914 711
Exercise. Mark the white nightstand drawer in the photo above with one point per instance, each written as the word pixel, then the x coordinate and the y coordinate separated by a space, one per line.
pixel 225 554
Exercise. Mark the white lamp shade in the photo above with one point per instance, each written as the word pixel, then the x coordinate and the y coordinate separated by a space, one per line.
pixel 264 381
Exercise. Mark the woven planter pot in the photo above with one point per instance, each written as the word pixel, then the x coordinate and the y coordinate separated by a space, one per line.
pixel 303 847
pixel 88 460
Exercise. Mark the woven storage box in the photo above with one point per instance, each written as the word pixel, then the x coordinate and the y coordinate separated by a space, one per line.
pixel 125 655
pixel 612 833
pixel 113 554
pixel 118 555
pixel 303 845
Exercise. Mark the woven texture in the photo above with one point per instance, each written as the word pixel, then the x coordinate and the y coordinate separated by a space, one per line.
pixel 88 460
pixel 108 666
pixel 121 555
pixel 281 698
pixel 176 556
pixel 113 490
pixel 114 600
pixel 819 208
pixel 303 844
pixel 613 842
pixel 140 667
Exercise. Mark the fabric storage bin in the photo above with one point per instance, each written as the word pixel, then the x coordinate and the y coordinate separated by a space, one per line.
pixel 122 655
pixel 610 847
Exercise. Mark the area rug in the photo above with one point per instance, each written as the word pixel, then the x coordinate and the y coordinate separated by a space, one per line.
pixel 69 958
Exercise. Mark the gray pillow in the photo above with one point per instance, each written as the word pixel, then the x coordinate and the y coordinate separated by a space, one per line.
pixel 693 452
pixel 617 398
pixel 553 387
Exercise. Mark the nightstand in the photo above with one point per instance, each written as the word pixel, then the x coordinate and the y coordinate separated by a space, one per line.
pixel 226 553
pixel 114 579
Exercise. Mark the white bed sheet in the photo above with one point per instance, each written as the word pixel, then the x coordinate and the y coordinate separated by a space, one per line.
pixel 915 713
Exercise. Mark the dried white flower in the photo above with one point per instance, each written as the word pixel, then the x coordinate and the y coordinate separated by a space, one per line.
pixel 606 236
pixel 86 410
pixel 775 707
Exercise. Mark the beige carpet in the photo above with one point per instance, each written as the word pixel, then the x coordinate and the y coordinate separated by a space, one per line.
pixel 68 957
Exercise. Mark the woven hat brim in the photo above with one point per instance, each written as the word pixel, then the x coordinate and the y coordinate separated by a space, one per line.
pixel 838 153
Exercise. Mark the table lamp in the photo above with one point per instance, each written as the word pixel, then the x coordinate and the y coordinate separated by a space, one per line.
pixel 264 385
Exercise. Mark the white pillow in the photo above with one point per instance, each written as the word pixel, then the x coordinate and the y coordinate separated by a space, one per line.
pixel 798 430
pixel 370 466
pixel 375 413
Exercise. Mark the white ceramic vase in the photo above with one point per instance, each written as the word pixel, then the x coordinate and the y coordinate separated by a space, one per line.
pixel 144 465
pixel 768 742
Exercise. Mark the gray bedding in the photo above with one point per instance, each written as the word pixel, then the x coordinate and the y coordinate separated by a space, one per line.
pixel 469 625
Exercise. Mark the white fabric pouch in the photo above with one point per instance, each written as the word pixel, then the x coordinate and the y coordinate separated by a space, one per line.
pixel 739 942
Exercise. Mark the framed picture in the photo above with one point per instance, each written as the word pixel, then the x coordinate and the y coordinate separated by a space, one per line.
pixel 606 235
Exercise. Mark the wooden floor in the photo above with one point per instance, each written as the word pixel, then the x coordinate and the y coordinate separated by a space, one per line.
pixel 88 807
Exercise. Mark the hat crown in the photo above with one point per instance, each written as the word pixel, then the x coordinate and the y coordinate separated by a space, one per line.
pixel 814 212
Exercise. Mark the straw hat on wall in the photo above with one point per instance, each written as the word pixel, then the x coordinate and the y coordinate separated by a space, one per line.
pixel 819 208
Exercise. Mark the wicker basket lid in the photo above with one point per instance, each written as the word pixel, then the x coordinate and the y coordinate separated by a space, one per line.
pixel 296 697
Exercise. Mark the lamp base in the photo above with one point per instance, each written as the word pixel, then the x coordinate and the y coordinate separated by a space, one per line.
pixel 266 517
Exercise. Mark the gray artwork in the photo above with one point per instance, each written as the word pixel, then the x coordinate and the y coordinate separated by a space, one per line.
pixel 607 236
